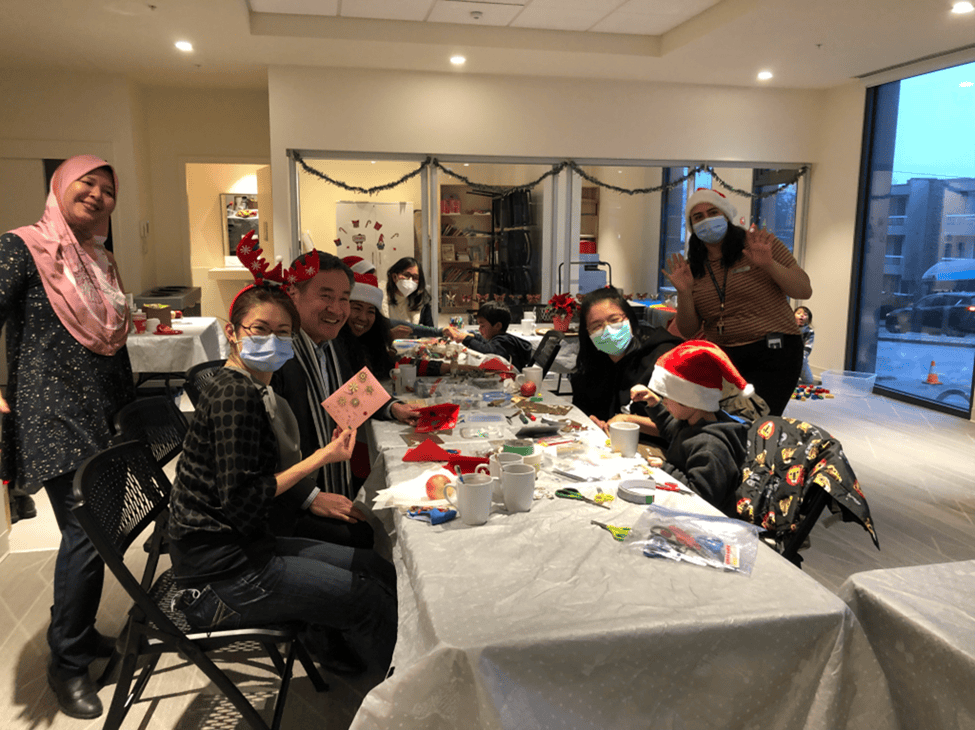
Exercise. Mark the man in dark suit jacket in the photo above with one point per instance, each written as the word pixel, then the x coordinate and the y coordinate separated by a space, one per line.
pixel 323 509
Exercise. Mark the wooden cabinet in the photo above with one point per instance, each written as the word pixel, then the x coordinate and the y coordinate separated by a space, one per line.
pixel 465 234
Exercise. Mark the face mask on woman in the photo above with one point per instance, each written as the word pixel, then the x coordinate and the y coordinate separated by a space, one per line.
pixel 711 230
pixel 613 338
pixel 406 286
pixel 265 353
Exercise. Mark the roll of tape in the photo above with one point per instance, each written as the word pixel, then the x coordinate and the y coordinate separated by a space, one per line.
pixel 638 491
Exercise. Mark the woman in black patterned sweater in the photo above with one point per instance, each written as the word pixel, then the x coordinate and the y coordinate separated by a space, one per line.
pixel 241 451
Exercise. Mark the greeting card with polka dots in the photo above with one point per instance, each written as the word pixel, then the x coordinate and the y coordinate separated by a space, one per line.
pixel 356 400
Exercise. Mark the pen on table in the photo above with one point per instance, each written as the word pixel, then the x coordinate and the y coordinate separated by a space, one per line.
pixel 460 475
pixel 523 418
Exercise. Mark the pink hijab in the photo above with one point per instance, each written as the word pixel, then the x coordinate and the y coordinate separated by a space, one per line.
pixel 87 298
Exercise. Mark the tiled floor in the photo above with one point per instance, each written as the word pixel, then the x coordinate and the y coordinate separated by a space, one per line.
pixel 917 469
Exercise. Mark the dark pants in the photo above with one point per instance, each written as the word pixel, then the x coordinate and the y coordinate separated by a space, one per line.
pixel 78 576
pixel 774 373
pixel 324 586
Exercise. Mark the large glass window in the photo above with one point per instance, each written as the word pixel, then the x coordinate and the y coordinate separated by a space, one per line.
pixel 916 323
pixel 776 212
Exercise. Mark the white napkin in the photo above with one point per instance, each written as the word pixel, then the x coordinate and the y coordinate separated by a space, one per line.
pixel 411 492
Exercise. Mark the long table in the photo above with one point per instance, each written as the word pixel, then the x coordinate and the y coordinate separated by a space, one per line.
pixel 542 620
pixel 201 340
pixel 921 623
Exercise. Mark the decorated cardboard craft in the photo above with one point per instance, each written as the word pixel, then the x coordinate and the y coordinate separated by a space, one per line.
pixel 412 438
pixel 427 451
pixel 437 418
pixel 357 399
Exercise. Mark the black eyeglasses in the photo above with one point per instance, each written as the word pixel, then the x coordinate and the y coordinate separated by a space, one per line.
pixel 260 330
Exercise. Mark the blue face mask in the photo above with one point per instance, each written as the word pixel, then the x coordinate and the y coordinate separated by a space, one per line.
pixel 265 353
pixel 711 230
pixel 613 338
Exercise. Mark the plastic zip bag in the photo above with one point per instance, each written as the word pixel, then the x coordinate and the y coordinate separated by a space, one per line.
pixel 712 541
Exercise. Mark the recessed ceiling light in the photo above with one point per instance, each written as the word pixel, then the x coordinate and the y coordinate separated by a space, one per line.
pixel 966 84
pixel 962 7
pixel 458 60
pixel 184 46
pixel 764 75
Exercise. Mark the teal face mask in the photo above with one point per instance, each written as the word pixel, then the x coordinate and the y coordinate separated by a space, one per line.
pixel 613 338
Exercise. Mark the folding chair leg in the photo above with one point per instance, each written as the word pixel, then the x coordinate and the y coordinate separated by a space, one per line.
pixel 285 686
pixel 310 669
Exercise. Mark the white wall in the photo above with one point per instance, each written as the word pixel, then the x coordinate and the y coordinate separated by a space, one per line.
pixel 55 115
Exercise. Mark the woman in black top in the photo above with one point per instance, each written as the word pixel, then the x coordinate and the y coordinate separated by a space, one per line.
pixel 241 451
pixel 613 357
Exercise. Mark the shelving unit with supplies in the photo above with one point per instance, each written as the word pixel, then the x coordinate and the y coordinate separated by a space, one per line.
pixel 465 237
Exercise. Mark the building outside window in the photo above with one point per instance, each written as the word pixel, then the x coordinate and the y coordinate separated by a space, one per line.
pixel 914 316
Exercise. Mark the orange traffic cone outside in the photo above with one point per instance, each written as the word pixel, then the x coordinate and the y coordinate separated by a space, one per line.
pixel 932 376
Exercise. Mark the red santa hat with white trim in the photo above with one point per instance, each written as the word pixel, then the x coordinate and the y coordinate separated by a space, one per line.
pixel 718 200
pixel 692 374
pixel 359 265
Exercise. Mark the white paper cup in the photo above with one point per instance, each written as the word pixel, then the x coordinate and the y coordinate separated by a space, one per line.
pixel 624 437
pixel 408 375
pixel 151 325
pixel 473 498
pixel 518 485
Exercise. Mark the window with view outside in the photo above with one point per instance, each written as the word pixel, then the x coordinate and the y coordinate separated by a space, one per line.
pixel 673 226
pixel 916 294
pixel 777 212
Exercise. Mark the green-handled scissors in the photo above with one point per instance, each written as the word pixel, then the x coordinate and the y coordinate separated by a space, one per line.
pixel 573 493
pixel 618 533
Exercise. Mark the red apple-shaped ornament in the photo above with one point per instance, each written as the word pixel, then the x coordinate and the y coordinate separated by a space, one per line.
pixel 528 389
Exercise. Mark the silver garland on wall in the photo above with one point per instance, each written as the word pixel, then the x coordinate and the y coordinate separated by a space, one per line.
pixel 555 170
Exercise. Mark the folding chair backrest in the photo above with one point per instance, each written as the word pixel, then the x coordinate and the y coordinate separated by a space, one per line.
pixel 547 350
pixel 156 422
pixel 198 376
pixel 794 469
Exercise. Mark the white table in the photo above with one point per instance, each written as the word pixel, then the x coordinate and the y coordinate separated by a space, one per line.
pixel 921 623
pixel 202 340
pixel 541 620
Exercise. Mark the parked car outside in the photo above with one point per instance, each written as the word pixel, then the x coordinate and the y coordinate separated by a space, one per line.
pixel 948 313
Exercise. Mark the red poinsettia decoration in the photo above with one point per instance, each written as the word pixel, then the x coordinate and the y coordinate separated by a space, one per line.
pixel 562 305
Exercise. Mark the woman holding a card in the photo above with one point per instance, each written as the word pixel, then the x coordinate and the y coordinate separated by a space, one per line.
pixel 242 451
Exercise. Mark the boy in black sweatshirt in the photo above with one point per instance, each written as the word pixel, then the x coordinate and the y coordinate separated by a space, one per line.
pixel 705 446
pixel 493 319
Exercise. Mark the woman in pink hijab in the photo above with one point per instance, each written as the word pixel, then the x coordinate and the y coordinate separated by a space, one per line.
pixel 62 301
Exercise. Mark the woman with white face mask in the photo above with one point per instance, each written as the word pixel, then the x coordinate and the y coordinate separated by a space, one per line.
pixel 407 301
pixel 736 284
pixel 613 357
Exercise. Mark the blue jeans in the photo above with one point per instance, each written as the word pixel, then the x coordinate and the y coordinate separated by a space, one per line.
pixel 322 585
pixel 78 576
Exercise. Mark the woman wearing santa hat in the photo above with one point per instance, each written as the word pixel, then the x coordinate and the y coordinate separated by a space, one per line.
pixel 705 446
pixel 736 284
pixel 367 325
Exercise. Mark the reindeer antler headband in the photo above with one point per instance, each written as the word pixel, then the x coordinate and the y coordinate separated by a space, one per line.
pixel 249 252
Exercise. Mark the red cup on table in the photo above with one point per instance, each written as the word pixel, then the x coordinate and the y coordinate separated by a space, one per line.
pixel 140 323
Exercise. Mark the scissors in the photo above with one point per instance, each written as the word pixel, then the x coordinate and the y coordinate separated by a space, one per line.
pixel 618 533
pixel 573 493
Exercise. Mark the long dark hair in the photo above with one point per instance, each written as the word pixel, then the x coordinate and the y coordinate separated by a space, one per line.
pixel 418 299
pixel 589 359
pixel 374 346
pixel 731 249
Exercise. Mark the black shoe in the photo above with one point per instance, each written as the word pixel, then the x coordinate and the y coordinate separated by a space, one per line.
pixel 342 659
pixel 105 646
pixel 76 695
pixel 26 507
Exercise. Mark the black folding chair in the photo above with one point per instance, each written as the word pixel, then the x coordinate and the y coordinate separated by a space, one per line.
pixel 198 376
pixel 547 350
pixel 156 422
pixel 120 492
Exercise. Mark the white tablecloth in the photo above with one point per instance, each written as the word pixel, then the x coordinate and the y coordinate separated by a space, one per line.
pixel 201 341
pixel 541 620
pixel 921 622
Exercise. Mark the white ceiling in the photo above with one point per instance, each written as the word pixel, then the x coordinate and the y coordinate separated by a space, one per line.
pixel 805 43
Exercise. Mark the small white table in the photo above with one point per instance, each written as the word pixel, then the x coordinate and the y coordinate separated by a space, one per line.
pixel 201 340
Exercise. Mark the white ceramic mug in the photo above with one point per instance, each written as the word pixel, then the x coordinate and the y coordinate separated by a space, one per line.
pixel 534 459
pixel 151 325
pixel 397 380
pixel 408 374
pixel 624 437
pixel 518 485
pixel 473 498
pixel 534 374
pixel 494 466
